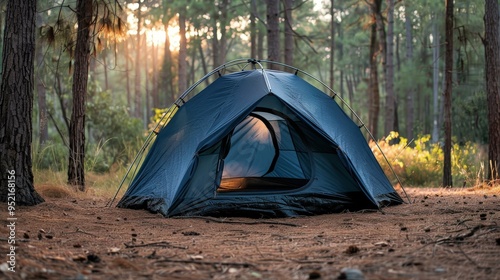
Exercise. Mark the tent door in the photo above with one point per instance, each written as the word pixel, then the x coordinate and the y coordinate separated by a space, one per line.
pixel 263 156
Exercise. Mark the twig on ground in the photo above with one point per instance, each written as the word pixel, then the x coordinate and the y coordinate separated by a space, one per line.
pixel 237 222
pixel 159 244
pixel 458 239
pixel 79 230
pixel 469 233
pixel 463 222
pixel 468 258
pixel 206 262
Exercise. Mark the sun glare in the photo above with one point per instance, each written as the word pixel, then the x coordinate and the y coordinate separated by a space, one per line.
pixel 174 36
pixel 155 36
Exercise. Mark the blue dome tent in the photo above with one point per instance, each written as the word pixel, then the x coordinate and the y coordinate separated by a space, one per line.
pixel 258 142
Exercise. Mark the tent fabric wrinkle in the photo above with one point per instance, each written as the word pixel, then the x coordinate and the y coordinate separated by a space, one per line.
pixel 259 143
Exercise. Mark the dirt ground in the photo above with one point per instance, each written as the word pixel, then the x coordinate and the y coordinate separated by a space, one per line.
pixel 444 234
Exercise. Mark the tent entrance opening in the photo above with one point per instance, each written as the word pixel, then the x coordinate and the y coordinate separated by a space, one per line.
pixel 265 153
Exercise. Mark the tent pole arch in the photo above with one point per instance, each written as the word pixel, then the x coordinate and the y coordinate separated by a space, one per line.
pixel 246 62
pixel 297 70
pixel 161 123
pixel 140 154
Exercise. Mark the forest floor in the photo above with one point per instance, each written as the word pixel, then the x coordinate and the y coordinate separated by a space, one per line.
pixel 443 234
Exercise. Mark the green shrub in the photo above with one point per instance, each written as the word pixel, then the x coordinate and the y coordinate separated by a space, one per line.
pixel 420 163
pixel 52 155
pixel 113 136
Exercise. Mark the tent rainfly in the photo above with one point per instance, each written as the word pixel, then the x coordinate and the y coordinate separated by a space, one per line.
pixel 259 143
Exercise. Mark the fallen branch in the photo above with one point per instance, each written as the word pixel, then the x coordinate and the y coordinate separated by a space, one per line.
pixel 469 259
pixel 158 244
pixel 469 233
pixel 81 231
pixel 457 239
pixel 206 262
pixel 223 221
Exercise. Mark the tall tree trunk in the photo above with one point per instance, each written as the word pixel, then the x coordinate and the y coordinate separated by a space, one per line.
pixel 447 176
pixel 43 133
pixel 435 81
pixel 374 94
pixel 253 29
pixel 104 56
pixel 182 75
pixel 376 7
pixel 398 55
pixel 273 35
pixel 16 105
pixel 340 55
pixel 215 40
pixel 219 22
pixel 350 90
pixel 193 54
pixel 289 42
pixel 137 70
pixel 261 32
pixel 76 170
pixel 2 29
pixel 492 54
pixel 410 98
pixel 422 100
pixel 223 31
pixel 203 60
pixel 147 82
pixel 390 101
pixel 332 45
pixel 167 79
pixel 127 77
pixel 155 92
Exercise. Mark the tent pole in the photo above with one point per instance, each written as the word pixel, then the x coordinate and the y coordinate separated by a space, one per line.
pixel 389 164
pixel 134 162
pixel 140 153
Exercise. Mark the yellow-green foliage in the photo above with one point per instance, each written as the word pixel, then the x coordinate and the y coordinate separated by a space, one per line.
pixel 420 163
pixel 162 117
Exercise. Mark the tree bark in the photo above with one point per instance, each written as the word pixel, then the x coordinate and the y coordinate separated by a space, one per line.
pixel 435 81
pixel 289 42
pixel 219 22
pixel 147 82
pixel 104 56
pixel 332 45
pixel 43 132
pixel 492 54
pixel 182 75
pixel 374 93
pixel 253 29
pixel 137 70
pixel 273 35
pixel 155 92
pixel 166 72
pixel 447 176
pixel 261 32
pixel 215 41
pixel 410 98
pixel 390 101
pixel 76 169
pixel 16 105
pixel 127 77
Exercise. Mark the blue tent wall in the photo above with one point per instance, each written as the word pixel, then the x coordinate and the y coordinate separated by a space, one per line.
pixel 181 173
